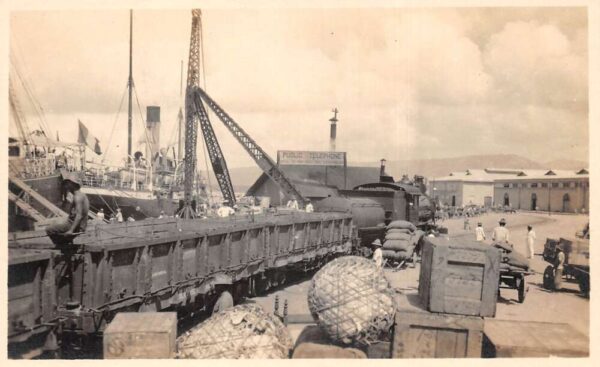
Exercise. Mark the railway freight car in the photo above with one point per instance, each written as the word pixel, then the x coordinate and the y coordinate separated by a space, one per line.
pixel 156 265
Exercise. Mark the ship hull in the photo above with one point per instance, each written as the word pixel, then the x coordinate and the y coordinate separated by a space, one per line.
pixel 128 200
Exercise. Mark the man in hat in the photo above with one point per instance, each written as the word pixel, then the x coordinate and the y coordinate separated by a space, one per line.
pixel 530 241
pixel 63 230
pixel 479 233
pixel 309 207
pixel 378 254
pixel 501 233
pixel 119 215
pixel 100 214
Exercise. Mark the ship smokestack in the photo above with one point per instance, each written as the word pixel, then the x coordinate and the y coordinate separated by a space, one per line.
pixel 333 130
pixel 153 128
pixel 382 169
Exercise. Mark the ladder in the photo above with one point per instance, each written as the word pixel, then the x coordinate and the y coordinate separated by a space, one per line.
pixel 40 220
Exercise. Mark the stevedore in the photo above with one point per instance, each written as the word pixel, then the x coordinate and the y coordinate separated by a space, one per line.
pixel 501 233
pixel 530 241
pixel 479 232
pixel 119 215
pixel 466 224
pixel 309 207
pixel 225 210
pixel 559 265
pixel 378 254
pixel 100 214
pixel 63 230
pixel 292 203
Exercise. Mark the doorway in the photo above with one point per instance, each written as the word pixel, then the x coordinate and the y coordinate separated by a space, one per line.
pixel 566 203
pixel 506 199
pixel 453 200
pixel 534 201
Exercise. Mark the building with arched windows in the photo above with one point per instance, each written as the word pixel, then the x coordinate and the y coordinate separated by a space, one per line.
pixel 545 190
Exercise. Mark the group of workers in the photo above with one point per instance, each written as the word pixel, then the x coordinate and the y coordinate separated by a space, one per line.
pixel 502 234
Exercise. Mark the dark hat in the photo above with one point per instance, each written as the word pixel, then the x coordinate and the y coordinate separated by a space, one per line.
pixel 502 221
pixel 73 178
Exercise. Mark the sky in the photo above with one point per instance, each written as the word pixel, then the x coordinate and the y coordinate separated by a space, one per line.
pixel 408 83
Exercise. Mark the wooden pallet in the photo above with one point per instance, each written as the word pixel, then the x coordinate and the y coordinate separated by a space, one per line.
pixel 459 277
pixel 504 338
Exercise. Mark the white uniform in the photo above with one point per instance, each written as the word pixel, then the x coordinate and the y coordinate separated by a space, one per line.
pixel 530 241
pixel 119 217
pixel 225 211
pixel 378 257
pixel 479 234
pixel 500 234
pixel 309 208
pixel 100 215
pixel 292 204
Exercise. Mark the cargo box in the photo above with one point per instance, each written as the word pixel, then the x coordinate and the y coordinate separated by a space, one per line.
pixel 504 338
pixel 420 334
pixel 459 276
pixel 143 335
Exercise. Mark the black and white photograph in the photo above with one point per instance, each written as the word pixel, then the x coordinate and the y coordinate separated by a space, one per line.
pixel 303 180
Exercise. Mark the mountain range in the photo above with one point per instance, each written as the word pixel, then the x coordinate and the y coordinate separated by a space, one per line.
pixel 244 177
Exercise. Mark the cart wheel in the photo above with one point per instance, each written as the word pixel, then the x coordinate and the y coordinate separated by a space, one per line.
pixel 584 285
pixel 548 282
pixel 522 290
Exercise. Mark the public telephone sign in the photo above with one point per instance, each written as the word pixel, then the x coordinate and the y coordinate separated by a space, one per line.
pixel 295 157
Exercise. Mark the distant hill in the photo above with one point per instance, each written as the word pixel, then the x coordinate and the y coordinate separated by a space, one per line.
pixel 244 177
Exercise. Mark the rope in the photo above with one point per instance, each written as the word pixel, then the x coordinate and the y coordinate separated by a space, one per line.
pixel 113 126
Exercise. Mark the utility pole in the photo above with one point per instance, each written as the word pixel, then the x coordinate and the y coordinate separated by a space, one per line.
pixel 130 87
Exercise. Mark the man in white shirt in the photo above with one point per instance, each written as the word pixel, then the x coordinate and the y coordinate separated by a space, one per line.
pixel 119 215
pixel 530 241
pixel 479 233
pixel 501 233
pixel 378 254
pixel 100 214
pixel 309 207
pixel 292 204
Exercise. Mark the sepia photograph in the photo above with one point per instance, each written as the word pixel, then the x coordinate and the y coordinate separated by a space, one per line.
pixel 204 180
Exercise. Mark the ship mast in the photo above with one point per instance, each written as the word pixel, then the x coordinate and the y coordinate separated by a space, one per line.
pixel 130 88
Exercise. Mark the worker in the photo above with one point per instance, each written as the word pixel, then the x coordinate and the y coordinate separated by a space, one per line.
pixel 224 302
pixel 479 233
pixel 309 207
pixel 119 215
pixel 559 265
pixel 530 241
pixel 292 203
pixel 466 223
pixel 501 233
pixel 100 214
pixel 225 210
pixel 162 214
pixel 63 230
pixel 378 254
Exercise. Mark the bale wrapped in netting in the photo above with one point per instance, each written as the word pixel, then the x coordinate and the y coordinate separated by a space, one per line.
pixel 398 255
pixel 398 236
pixel 243 331
pixel 402 224
pixel 352 301
pixel 397 245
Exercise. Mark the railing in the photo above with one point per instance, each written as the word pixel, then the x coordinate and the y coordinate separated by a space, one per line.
pixel 33 167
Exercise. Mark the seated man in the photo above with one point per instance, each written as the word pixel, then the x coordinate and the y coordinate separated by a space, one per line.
pixel 63 230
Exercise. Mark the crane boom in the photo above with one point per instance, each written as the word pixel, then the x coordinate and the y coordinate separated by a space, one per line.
pixel 263 160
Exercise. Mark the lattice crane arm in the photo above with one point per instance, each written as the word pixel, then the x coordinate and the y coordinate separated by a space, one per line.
pixel 263 160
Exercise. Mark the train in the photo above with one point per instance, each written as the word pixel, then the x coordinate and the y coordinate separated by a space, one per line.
pixel 58 293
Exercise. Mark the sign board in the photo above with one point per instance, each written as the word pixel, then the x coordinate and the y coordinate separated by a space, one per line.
pixel 294 157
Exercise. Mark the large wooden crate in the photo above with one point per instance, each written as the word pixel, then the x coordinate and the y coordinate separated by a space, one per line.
pixel 141 335
pixel 459 277
pixel 504 338
pixel 420 334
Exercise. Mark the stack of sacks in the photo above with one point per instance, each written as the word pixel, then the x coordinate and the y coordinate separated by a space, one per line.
pixel 511 260
pixel 400 240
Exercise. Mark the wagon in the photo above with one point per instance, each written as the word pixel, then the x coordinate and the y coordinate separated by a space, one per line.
pixel 576 265
pixel 512 277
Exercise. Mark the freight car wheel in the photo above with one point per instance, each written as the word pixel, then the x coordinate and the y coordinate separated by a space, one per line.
pixel 548 282
pixel 522 290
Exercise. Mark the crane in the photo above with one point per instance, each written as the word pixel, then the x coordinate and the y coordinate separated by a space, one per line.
pixel 196 113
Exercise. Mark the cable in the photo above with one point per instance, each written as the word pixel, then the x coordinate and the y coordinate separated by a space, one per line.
pixel 113 127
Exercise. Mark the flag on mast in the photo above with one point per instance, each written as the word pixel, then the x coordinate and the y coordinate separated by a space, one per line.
pixel 88 139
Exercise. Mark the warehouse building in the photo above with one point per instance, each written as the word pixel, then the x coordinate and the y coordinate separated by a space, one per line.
pixel 470 187
pixel 547 190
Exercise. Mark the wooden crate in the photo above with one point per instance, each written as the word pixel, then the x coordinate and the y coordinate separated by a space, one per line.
pixel 421 334
pixel 459 277
pixel 504 338
pixel 141 335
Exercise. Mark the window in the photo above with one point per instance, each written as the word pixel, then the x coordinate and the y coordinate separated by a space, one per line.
pixel 574 184
pixel 554 184
pixel 533 185
pixel 506 185
pixel 544 184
